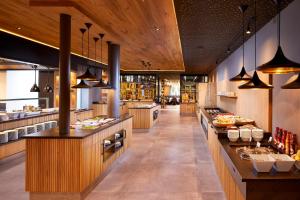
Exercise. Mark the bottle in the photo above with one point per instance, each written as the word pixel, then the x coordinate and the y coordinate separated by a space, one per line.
pixel 295 144
pixel 283 139
pixel 287 143
pixel 291 143
pixel 276 135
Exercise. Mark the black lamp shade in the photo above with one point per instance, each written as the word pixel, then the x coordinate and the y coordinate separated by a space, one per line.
pixel 100 84
pixel 35 88
pixel 293 85
pixel 88 76
pixel 255 83
pixel 279 64
pixel 242 76
pixel 48 89
pixel 81 85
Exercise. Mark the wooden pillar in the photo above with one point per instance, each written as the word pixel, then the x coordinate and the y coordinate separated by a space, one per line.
pixel 114 78
pixel 64 74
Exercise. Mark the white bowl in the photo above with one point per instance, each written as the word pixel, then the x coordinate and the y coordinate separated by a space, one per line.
pixel 233 135
pixel 257 139
pixel 262 162
pixel 283 163
pixel 233 139
pixel 245 135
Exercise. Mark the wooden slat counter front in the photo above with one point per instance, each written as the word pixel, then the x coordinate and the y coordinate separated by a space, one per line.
pixel 68 167
pixel 144 117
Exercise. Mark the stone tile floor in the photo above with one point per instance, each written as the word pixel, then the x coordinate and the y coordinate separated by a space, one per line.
pixel 169 162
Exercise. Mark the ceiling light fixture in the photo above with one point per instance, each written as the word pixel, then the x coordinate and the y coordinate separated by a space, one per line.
pixel 81 84
pixel 293 85
pixel 48 88
pixel 100 83
pixel 88 76
pixel 279 64
pixel 35 87
pixel 255 82
pixel 248 31
pixel 242 76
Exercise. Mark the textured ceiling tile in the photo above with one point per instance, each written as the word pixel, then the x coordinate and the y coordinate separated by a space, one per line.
pixel 209 27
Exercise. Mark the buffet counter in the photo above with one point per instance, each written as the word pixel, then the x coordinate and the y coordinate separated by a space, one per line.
pixel 239 179
pixel 187 108
pixel 18 144
pixel 69 166
pixel 144 116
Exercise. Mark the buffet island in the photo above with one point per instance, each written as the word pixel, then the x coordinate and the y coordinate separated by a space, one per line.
pixel 145 116
pixel 251 170
pixel 69 166
pixel 13 127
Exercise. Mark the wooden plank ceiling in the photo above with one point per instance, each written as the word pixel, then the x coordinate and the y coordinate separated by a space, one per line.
pixel 146 29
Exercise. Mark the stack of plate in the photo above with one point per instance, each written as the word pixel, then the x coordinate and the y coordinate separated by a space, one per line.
pixel 40 127
pixel 12 134
pixel 3 137
pixel 30 129
pixel 21 131
pixel 53 124
pixel 47 125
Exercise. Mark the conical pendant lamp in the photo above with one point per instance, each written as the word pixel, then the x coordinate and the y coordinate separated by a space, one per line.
pixel 88 76
pixel 48 88
pixel 35 87
pixel 95 40
pixel 242 76
pixel 101 84
pixel 108 85
pixel 279 64
pixel 293 85
pixel 255 82
pixel 81 84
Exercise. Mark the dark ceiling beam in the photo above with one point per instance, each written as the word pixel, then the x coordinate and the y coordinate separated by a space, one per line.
pixel 20 49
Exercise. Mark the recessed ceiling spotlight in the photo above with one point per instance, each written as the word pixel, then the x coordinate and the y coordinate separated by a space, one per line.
pixel 19 28
pixel 228 50
pixel 156 28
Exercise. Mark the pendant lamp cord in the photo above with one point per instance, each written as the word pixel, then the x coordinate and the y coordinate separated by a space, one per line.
pixel 48 75
pixel 88 51
pixel 278 11
pixel 255 34
pixel 82 44
pixel 35 74
pixel 243 38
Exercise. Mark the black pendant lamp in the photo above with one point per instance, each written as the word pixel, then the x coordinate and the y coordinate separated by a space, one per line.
pixel 101 84
pixel 108 85
pixel 81 84
pixel 95 40
pixel 35 88
pixel 242 76
pixel 255 82
pixel 48 88
pixel 293 85
pixel 88 76
pixel 279 64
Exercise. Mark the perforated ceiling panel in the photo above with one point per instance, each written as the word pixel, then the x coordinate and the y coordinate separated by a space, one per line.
pixel 209 27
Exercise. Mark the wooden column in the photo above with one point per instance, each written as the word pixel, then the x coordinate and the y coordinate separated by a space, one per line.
pixel 64 74
pixel 114 78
